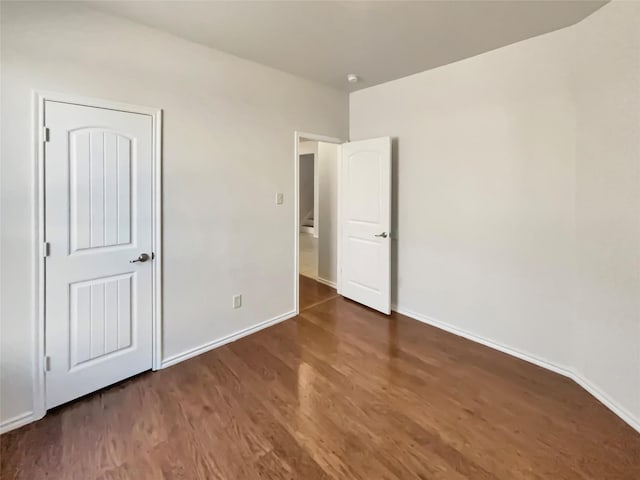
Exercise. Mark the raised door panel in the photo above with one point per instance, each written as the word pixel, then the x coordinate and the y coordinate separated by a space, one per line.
pixel 101 318
pixel 101 201
pixel 363 184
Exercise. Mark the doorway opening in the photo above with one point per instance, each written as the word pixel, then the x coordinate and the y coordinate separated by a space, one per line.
pixel 342 237
pixel 316 236
pixel 308 199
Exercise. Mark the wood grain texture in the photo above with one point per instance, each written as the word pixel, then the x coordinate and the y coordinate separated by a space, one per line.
pixel 312 292
pixel 339 392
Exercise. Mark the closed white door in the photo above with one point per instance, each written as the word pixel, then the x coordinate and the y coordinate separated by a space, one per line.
pixel 98 218
pixel 365 221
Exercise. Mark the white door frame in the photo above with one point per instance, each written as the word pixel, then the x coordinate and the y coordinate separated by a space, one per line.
pixel 296 202
pixel 38 100
pixel 316 196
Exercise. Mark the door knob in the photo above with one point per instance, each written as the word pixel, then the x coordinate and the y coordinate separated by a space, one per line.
pixel 142 258
pixel 382 235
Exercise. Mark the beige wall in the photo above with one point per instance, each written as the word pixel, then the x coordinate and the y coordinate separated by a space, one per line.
pixel 518 198
pixel 219 110
pixel 607 98
pixel 328 207
pixel 484 186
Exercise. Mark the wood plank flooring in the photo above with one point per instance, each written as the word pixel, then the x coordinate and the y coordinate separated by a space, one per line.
pixel 312 292
pixel 339 392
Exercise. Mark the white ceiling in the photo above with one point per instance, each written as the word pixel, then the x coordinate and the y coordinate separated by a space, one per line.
pixel 378 40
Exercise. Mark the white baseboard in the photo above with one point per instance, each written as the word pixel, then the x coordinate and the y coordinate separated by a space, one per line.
pixel 224 340
pixel 603 398
pixel 527 357
pixel 326 282
pixel 17 422
pixel 28 417
pixel 624 414
pixel 484 341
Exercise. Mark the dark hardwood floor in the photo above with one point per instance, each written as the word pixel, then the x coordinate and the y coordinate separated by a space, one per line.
pixel 340 392
pixel 312 292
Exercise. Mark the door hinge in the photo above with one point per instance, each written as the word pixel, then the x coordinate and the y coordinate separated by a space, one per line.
pixel 46 247
pixel 45 134
pixel 47 363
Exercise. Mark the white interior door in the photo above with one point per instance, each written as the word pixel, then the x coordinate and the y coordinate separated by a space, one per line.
pixel 98 218
pixel 365 221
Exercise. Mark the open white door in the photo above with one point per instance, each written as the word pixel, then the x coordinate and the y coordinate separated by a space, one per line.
pixel 365 221
pixel 99 227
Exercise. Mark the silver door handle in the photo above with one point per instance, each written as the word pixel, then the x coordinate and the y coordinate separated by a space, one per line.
pixel 143 257
pixel 382 235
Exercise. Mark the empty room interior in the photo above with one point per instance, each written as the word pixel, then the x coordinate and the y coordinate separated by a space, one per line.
pixel 320 240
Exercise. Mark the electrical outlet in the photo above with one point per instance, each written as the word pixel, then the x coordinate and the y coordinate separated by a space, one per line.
pixel 279 198
pixel 237 301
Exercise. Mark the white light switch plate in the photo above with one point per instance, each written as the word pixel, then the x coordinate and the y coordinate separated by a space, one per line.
pixel 237 301
pixel 279 198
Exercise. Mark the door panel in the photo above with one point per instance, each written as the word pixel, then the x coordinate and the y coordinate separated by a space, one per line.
pixel 365 209
pixel 100 176
pixel 101 320
pixel 98 197
pixel 363 177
